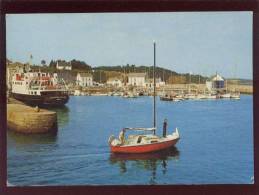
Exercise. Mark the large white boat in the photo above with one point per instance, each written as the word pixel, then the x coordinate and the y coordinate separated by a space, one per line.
pixel 39 89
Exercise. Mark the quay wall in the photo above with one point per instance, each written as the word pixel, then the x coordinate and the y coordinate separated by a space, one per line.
pixel 244 89
pixel 25 119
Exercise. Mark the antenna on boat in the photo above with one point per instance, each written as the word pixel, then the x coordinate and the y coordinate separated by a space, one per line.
pixel 154 81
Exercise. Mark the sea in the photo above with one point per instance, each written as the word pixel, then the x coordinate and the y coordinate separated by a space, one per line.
pixel 215 146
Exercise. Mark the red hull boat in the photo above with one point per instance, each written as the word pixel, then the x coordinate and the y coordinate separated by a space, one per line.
pixel 144 143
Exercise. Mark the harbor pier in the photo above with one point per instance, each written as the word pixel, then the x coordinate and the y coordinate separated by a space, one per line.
pixel 25 119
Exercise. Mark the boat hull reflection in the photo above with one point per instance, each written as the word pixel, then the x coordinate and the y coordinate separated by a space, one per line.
pixel 151 162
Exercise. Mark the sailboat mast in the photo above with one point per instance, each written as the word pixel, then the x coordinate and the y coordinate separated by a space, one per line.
pixel 154 83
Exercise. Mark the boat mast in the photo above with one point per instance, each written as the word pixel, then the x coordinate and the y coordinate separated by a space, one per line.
pixel 154 82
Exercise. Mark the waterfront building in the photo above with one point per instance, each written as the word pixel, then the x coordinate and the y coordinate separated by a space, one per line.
pixel 150 83
pixel 12 68
pixel 116 82
pixel 68 76
pixel 63 65
pixel 137 79
pixel 84 79
pixel 216 83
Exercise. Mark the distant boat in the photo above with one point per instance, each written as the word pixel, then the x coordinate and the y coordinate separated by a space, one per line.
pixel 165 98
pixel 77 92
pixel 225 95
pixel 130 95
pixel 201 96
pixel 136 143
pixel 189 96
pixel 211 96
pixel 235 95
pixel 100 94
pixel 174 98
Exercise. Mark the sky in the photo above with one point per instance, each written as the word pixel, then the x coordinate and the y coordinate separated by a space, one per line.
pixel 187 42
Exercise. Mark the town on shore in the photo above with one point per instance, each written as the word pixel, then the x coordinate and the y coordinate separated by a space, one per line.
pixel 129 80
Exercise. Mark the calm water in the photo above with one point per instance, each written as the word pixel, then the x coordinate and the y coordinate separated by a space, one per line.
pixel 216 145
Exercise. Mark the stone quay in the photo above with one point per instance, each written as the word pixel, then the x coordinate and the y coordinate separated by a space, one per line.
pixel 29 120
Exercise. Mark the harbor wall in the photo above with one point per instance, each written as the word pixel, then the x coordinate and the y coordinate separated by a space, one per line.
pixel 243 89
pixel 25 119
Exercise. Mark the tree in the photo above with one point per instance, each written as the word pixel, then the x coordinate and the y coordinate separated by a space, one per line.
pixel 52 64
pixel 43 62
pixel 80 65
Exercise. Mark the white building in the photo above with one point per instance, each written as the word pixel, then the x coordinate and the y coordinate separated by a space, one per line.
pixel 84 79
pixel 114 82
pixel 62 65
pixel 216 82
pixel 137 79
pixel 150 82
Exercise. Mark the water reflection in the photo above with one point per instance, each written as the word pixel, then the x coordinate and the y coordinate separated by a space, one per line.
pixel 149 161
pixel 29 139
pixel 63 115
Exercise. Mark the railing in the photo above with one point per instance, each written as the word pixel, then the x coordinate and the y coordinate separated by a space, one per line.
pixel 139 128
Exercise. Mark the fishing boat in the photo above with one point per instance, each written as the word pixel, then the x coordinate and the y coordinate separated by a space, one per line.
pixel 144 143
pixel 189 96
pixel 201 96
pixel 39 89
pixel 178 98
pixel 165 98
pixel 212 95
pixel 225 95
pixel 235 95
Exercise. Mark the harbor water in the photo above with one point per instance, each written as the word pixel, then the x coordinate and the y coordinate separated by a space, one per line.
pixel 216 145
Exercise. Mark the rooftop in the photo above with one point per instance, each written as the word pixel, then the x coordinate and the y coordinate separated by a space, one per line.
pixel 137 74
pixel 85 74
pixel 217 77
